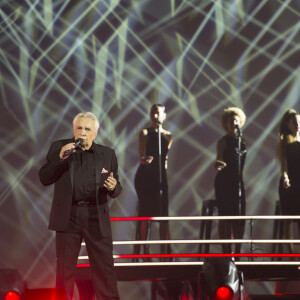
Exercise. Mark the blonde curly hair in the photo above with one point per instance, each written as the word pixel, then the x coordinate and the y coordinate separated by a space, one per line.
pixel 233 111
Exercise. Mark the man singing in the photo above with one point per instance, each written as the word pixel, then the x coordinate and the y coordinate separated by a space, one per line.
pixel 83 173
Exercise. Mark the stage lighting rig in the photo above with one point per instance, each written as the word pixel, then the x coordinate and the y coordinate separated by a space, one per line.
pixel 11 285
pixel 220 280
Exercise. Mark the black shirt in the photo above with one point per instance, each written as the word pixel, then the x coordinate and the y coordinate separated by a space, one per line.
pixel 84 175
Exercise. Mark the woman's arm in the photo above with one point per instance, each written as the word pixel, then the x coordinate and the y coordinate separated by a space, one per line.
pixel 143 138
pixel 220 164
pixel 283 164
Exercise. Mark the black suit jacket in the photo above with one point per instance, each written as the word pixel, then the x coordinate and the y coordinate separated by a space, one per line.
pixel 61 174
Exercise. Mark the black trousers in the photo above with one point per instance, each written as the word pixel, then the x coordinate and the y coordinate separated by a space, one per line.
pixel 84 225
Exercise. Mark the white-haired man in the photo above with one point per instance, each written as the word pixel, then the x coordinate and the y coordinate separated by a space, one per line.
pixel 83 174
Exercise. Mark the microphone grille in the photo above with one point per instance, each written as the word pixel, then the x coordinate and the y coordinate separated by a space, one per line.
pixel 78 141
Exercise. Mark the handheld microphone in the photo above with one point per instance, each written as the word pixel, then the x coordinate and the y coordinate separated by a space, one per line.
pixel 76 146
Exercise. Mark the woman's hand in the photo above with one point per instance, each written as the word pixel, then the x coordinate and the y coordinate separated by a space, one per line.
pixel 286 182
pixel 219 165
pixel 146 160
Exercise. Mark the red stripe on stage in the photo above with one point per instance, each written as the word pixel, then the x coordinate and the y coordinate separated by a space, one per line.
pixel 132 219
pixel 199 255
pixel 83 265
pixel 206 255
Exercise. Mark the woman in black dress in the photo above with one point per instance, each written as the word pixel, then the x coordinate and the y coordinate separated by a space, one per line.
pixel 288 152
pixel 229 185
pixel 153 197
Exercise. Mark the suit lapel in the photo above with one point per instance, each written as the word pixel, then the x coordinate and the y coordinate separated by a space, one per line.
pixel 99 160
pixel 71 168
pixel 71 164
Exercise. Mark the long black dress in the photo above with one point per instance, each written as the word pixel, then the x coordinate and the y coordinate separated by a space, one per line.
pixel 227 180
pixel 290 197
pixel 147 179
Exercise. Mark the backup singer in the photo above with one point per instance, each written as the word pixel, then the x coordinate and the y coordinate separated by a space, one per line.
pixel 229 177
pixel 82 180
pixel 147 182
pixel 288 152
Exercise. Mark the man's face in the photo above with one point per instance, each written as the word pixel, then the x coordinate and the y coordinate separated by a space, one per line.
pixel 85 128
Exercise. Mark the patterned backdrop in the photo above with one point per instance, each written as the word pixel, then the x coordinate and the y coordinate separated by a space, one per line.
pixel 117 58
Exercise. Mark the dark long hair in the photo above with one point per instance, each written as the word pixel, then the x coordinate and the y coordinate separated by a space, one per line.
pixel 284 132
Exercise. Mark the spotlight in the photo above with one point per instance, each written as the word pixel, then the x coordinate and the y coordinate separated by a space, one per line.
pixel 12 296
pixel 11 285
pixel 224 292
pixel 220 280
